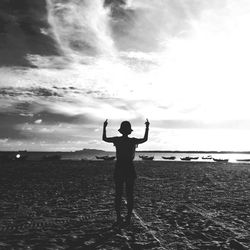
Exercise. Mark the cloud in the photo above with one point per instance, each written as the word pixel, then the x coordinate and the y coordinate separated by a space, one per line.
pixel 28 92
pixel 51 117
pixel 202 124
pixel 20 32
pixel 71 64
pixel 8 126
pixel 39 121
pixel 4 140
pixel 115 3
pixel 147 25
pixel 45 129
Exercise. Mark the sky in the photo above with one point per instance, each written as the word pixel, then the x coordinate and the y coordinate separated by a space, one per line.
pixel 67 65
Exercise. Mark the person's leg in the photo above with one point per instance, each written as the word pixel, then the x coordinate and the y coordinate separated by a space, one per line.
pixel 118 199
pixel 130 198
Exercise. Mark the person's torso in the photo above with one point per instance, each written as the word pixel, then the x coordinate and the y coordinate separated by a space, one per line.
pixel 125 149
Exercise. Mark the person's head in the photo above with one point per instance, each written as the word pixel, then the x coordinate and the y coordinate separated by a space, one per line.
pixel 125 128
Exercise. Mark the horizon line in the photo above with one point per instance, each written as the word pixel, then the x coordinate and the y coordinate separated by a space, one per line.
pixel 139 151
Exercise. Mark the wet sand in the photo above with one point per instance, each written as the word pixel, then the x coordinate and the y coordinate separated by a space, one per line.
pixel 178 205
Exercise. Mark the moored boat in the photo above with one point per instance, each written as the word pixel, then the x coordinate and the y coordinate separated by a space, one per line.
pixel 146 158
pixel 209 157
pixel 194 158
pixel 187 158
pixel 243 160
pixel 220 160
pixel 168 157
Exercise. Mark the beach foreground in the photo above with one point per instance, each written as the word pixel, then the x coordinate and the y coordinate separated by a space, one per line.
pixel 178 205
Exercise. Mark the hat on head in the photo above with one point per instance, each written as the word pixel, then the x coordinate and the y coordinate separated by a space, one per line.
pixel 125 128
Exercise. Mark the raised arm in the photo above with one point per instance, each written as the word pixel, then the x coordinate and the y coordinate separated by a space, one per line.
pixel 104 136
pixel 145 138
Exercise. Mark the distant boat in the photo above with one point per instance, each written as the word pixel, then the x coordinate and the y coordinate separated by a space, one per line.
pixel 194 158
pixel 243 160
pixel 209 157
pixel 146 158
pixel 168 157
pixel 105 158
pixel 187 158
pixel 220 160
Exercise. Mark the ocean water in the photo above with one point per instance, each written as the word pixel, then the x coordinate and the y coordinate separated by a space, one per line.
pixel 232 157
pixel 81 155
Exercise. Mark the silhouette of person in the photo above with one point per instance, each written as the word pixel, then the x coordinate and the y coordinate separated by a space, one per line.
pixel 124 168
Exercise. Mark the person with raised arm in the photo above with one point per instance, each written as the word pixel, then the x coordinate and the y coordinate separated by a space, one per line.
pixel 124 168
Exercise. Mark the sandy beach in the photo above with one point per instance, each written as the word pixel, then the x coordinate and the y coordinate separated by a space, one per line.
pixel 178 205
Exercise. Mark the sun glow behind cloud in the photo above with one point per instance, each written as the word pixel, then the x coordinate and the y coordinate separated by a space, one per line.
pixel 182 61
pixel 208 68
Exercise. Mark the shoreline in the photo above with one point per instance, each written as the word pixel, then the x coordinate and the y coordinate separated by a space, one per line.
pixel 138 151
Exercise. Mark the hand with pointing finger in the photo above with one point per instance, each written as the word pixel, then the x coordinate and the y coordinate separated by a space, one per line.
pixel 105 123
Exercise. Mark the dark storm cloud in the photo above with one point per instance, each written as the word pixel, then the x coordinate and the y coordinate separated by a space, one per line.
pixel 45 92
pixel 54 91
pixel 29 92
pixel 23 107
pixel 15 125
pixel 9 126
pixel 21 23
pixel 41 112
pixel 80 91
